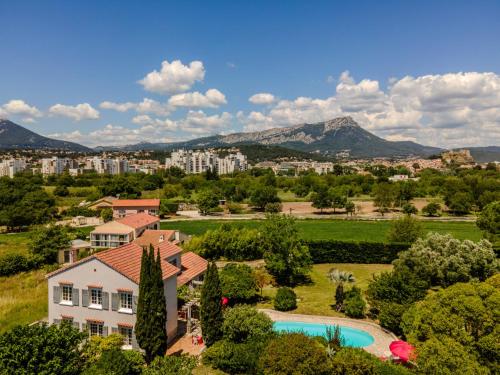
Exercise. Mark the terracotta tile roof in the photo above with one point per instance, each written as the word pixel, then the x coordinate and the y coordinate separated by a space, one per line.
pixel 126 260
pixel 169 249
pixel 192 266
pixel 151 236
pixel 136 203
pixel 138 220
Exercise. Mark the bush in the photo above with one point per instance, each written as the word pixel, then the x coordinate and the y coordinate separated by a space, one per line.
pixel 244 323
pixel 334 251
pixel 238 282
pixel 354 304
pixel 273 208
pixel 390 316
pixel 405 229
pixel 61 191
pixel 432 209
pixel 11 264
pixel 234 208
pixel 285 299
pixel 234 358
pixel 294 353
pixel 171 365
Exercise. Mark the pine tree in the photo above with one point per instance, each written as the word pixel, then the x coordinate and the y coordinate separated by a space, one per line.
pixel 211 307
pixel 150 327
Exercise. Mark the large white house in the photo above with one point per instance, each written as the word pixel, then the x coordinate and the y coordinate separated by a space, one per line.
pixel 99 294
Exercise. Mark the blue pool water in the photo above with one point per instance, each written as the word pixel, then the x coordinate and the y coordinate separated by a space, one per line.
pixel 353 337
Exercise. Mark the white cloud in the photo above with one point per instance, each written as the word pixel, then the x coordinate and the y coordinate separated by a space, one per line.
pixel 78 112
pixel 17 107
pixel 450 110
pixel 146 106
pixel 262 98
pixel 197 122
pixel 330 79
pixel 173 77
pixel 213 98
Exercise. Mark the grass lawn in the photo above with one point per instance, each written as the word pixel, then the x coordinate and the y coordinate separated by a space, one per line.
pixel 23 298
pixel 288 196
pixel 14 243
pixel 317 297
pixel 334 229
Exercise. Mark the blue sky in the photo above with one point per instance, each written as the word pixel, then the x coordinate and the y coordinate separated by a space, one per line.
pixel 426 71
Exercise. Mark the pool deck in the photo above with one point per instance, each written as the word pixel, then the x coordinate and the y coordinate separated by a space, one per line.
pixel 382 338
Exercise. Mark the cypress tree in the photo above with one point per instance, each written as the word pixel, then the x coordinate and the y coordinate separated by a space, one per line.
pixel 150 327
pixel 211 307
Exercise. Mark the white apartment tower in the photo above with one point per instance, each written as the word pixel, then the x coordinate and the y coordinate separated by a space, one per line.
pixel 194 162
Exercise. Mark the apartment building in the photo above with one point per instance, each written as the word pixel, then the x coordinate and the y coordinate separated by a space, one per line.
pixel 56 165
pixel 122 231
pixel 193 162
pixel 126 207
pixel 99 294
pixel 107 166
pixel 10 167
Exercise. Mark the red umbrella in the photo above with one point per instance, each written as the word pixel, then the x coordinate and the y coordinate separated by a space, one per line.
pixel 225 301
pixel 402 349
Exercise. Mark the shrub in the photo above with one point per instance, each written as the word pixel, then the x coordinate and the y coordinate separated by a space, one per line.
pixel 234 358
pixel 334 251
pixel 234 208
pixel 238 282
pixel 61 191
pixel 294 353
pixel 285 299
pixel 390 316
pixel 432 209
pixel 244 323
pixel 354 304
pixel 171 365
pixel 273 207
pixel 405 229
pixel 354 361
pixel 11 264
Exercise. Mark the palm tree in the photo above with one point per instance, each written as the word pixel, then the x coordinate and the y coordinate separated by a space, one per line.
pixel 338 276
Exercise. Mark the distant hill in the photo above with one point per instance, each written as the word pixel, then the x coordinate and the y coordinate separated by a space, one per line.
pixel 485 154
pixel 325 138
pixel 13 136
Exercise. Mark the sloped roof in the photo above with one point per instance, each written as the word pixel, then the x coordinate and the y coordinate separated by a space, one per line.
pixel 152 236
pixel 138 220
pixel 192 266
pixel 126 260
pixel 113 227
pixel 136 203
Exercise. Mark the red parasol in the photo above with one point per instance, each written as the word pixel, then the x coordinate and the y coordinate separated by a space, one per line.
pixel 402 349
pixel 225 301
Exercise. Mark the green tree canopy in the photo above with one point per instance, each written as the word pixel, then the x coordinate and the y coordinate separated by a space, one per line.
pixel 207 200
pixel 46 241
pixel 244 323
pixel 286 257
pixel 442 260
pixel 467 313
pixel 237 282
pixel 489 220
pixel 405 229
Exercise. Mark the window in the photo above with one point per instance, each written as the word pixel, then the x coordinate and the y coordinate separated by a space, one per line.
pixel 67 258
pixel 126 301
pixel 126 332
pixel 95 329
pixel 67 294
pixel 96 297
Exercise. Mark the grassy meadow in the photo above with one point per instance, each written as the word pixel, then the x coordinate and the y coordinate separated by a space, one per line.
pixel 348 230
pixel 23 298
pixel 14 243
pixel 316 297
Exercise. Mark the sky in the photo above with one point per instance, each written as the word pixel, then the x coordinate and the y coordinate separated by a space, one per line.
pixel 122 72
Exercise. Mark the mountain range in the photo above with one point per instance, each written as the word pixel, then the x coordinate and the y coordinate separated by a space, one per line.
pixel 13 136
pixel 323 139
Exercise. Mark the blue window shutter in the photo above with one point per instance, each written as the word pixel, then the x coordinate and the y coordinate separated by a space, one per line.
pixel 57 294
pixel 105 301
pixel 76 296
pixel 85 297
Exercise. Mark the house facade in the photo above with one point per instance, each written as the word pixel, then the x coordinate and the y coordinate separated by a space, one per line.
pixel 71 254
pixel 99 294
pixel 123 231
pixel 126 207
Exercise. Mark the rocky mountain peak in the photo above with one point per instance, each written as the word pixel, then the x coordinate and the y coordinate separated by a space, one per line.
pixel 339 123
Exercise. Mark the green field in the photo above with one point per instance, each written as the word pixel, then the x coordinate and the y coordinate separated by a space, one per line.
pixel 14 243
pixel 23 298
pixel 316 298
pixel 334 229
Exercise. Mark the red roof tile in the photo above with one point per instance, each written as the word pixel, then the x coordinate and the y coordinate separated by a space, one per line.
pixel 126 260
pixel 136 203
pixel 152 236
pixel 192 266
pixel 138 220
pixel 169 249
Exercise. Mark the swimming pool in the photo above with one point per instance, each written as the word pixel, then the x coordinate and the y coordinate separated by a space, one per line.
pixel 353 337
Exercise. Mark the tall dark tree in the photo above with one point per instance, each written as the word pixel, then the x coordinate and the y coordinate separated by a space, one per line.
pixel 150 327
pixel 211 308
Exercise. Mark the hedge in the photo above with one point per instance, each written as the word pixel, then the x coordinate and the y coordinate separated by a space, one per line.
pixel 334 251
pixel 15 263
